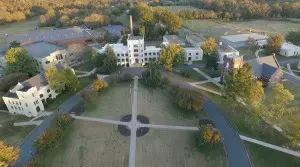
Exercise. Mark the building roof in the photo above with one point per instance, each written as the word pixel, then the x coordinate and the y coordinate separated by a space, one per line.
pixel 114 29
pixel 135 37
pixel 195 39
pixel 42 49
pixel 173 39
pixel 226 49
pixel 264 66
pixel 37 81
pixel 244 37
pixel 54 35
pixel 289 46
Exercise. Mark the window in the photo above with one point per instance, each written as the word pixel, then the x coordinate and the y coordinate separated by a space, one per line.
pixel 12 107
pixel 126 54
pixel 50 95
pixel 136 55
pixel 41 95
pixel 15 107
pixel 22 108
pixel 122 54
pixel 118 60
pixel 135 50
pixel 38 109
pixel 197 53
pixel 32 95
pixel 145 54
pixel 146 59
pixel 26 104
pixel 149 54
pixel 19 108
pixel 118 55
pixel 154 53
pixel 48 90
pixel 59 57
pixel 135 45
pixel 127 60
pixel 190 53
pixel 158 53
pixel 71 54
pixel 123 60
pixel 47 62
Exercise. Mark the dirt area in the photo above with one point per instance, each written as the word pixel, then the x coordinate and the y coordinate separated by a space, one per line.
pixel 157 106
pixel 172 149
pixel 90 144
pixel 113 103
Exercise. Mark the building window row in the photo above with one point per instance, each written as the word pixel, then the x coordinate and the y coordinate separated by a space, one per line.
pixel 152 53
pixel 119 60
pixel 118 55
pixel 36 102
pixel 13 102
pixel 16 108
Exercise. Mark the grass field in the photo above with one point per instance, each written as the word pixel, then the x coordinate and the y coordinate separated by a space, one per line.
pixel 264 157
pixel 156 104
pixel 191 75
pixel 174 149
pixel 217 28
pixel 113 103
pixel 90 144
pixel 17 135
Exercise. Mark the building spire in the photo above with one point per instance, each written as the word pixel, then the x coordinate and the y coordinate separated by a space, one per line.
pixel 131 26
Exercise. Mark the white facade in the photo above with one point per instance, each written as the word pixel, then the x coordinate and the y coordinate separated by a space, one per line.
pixel 28 101
pixel 241 40
pixel 288 49
pixel 228 51
pixel 137 53
pixel 193 54
pixel 52 59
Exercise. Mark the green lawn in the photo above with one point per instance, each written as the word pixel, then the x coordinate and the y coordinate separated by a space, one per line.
pixel 264 157
pixel 191 74
pixel 87 66
pixel 211 86
pixel 60 99
pixel 218 28
pixel 16 135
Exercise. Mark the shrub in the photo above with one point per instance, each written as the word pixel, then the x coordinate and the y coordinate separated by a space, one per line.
pixel 211 135
pixel 63 121
pixel 187 99
pixel 48 139
pixel 99 85
pixel 90 96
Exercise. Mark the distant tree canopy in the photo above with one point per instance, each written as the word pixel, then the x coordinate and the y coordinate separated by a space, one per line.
pixel 171 56
pixel 151 77
pixel 18 60
pixel 109 61
pixel 209 46
pixel 95 20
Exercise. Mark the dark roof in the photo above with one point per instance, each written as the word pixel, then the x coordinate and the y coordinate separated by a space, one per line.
pixel 25 88
pixel 60 66
pixel 42 49
pixel 114 29
pixel 54 35
pixel 268 71
pixel 36 81
pixel 11 95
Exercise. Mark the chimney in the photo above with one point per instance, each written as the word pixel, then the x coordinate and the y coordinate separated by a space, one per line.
pixel 131 26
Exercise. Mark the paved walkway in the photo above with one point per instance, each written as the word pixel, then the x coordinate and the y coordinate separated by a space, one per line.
pixel 170 127
pixel 257 51
pixel 208 77
pixel 206 89
pixel 291 152
pixel 107 121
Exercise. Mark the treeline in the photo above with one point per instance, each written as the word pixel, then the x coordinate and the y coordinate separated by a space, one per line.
pixel 66 11
pixel 155 21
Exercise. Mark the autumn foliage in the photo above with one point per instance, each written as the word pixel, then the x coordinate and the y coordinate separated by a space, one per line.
pixel 211 135
pixel 99 85
pixel 209 46
pixel 8 154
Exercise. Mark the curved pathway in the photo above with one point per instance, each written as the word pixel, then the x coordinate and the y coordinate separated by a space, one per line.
pixel 237 155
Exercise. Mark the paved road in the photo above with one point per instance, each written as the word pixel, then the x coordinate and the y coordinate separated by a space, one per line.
pixel 291 61
pixel 291 77
pixel 236 153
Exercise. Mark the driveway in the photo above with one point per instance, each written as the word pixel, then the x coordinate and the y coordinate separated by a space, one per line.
pixel 237 155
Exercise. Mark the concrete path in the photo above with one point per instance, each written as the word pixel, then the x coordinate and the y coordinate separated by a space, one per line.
pixel 257 51
pixel 133 125
pixel 170 127
pixel 99 120
pixel 290 69
pixel 205 89
pixel 292 78
pixel 29 123
pixel 208 77
pixel 291 152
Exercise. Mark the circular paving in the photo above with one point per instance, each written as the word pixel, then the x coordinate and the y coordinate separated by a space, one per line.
pixel 141 131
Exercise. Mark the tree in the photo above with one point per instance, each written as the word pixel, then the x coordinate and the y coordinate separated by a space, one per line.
pixel 96 58
pixel 14 44
pixel 212 61
pixel 48 139
pixel 62 80
pixel 240 84
pixel 19 61
pixel 293 37
pixel 280 103
pixel 152 76
pixel 187 99
pixel 76 49
pixel 296 133
pixel 94 20
pixel 209 46
pixel 8 154
pixel 171 55
pixel 63 121
pixel 211 135
pixel 99 85
pixel 11 80
pixel 109 61
pixel 274 44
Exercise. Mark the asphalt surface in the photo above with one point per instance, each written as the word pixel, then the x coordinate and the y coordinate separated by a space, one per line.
pixel 291 78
